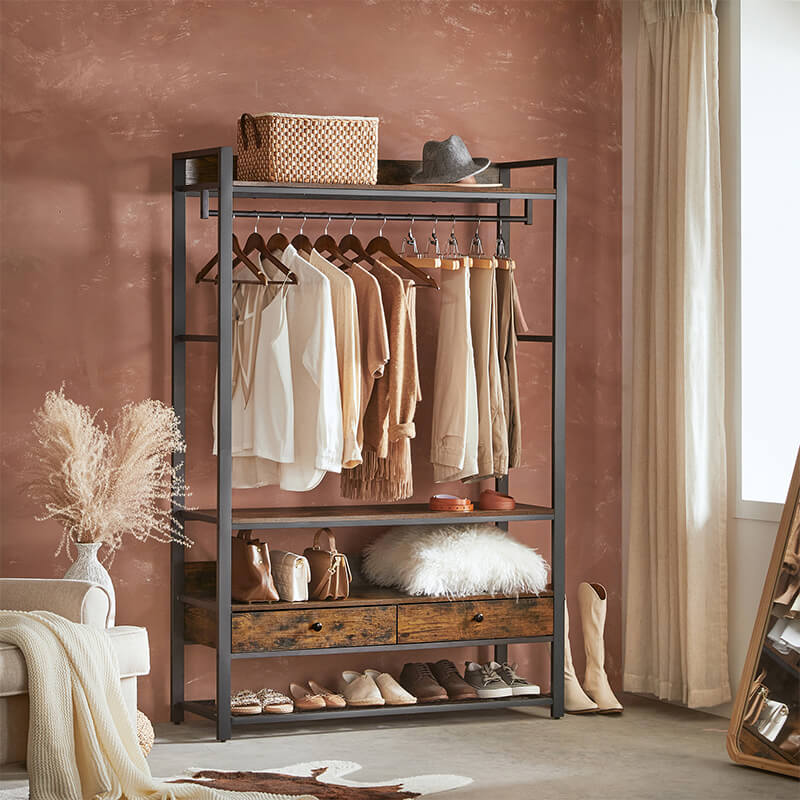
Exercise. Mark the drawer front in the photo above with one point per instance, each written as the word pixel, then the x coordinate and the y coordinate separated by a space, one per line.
pixel 309 629
pixel 475 619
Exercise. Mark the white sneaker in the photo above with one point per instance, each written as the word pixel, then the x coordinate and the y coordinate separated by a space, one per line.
pixel 507 673
pixel 485 681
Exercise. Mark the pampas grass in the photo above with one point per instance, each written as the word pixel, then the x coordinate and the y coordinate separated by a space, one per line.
pixel 101 485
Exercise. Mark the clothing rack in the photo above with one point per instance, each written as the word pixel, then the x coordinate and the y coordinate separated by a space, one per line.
pixel 202 612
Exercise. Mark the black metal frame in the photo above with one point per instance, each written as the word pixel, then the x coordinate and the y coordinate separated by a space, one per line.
pixel 225 190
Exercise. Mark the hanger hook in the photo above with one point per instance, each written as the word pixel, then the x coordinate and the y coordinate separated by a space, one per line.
pixel 280 222
pixel 380 232
pixel 453 228
pixel 352 222
pixel 411 228
pixel 302 225
pixel 255 229
pixel 326 226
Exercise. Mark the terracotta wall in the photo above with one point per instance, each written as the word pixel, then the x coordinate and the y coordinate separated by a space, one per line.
pixel 96 95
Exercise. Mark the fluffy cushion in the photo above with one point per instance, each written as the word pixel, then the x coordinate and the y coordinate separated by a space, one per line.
pixel 454 561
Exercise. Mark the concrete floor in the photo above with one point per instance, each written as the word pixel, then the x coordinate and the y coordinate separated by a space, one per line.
pixel 651 751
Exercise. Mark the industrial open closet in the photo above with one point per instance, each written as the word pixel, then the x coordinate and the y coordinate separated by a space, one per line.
pixel 201 608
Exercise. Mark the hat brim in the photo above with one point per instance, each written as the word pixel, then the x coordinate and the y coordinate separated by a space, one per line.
pixel 478 165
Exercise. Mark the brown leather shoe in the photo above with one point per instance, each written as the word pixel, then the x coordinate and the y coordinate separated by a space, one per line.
pixel 456 687
pixel 418 679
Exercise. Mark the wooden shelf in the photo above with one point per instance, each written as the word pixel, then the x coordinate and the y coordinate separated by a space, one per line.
pixel 207 709
pixel 789 662
pixel 361 595
pixel 371 515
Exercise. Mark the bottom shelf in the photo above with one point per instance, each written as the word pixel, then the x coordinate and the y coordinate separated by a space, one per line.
pixel 208 709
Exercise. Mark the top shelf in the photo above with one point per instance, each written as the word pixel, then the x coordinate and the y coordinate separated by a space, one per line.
pixel 394 183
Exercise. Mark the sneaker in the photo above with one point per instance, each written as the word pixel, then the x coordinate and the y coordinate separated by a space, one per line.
pixel 508 675
pixel 485 681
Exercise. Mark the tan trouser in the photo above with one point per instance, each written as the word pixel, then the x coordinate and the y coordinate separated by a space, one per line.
pixel 492 427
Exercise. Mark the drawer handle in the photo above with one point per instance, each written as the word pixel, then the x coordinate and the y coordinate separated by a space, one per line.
pixel 317 626
pixel 478 617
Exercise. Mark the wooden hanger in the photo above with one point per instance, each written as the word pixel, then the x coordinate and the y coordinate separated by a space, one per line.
pixel 301 242
pixel 453 250
pixel 433 254
pixel 255 241
pixel 241 258
pixel 277 241
pixel 380 244
pixel 504 261
pixel 327 244
pixel 479 259
pixel 350 243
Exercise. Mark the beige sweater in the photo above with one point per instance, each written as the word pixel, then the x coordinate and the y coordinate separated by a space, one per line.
pixel 385 474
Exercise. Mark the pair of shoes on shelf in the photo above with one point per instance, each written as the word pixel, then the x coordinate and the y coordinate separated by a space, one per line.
pixel 435 683
pixel 497 680
pixel 314 697
pixel 598 695
pixel 264 701
pixel 372 688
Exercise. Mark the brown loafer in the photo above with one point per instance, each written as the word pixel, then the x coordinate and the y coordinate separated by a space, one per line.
pixel 456 687
pixel 417 679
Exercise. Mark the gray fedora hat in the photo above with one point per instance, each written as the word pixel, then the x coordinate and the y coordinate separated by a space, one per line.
pixel 448 162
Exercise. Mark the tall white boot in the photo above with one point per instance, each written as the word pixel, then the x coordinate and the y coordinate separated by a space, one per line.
pixel 575 699
pixel 592 600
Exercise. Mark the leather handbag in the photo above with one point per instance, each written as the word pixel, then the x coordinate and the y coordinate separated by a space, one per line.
pixel 772 718
pixel 756 698
pixel 291 574
pixel 251 576
pixel 330 570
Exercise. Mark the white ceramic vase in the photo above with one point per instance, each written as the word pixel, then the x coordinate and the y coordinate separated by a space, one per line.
pixel 87 567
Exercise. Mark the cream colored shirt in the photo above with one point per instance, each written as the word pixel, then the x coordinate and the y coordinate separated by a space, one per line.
pixel 348 354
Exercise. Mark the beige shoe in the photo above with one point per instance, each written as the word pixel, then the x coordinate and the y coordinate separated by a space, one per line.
pixel 391 691
pixel 360 690
pixel 274 702
pixel 305 699
pixel 592 599
pixel 576 701
pixel 332 700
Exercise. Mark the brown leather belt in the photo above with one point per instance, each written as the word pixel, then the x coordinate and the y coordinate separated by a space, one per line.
pixel 449 502
pixel 491 500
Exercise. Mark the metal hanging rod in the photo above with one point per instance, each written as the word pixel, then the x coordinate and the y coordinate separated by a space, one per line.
pixel 212 212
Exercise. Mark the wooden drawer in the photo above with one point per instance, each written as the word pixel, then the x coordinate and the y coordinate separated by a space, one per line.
pixel 475 619
pixel 358 626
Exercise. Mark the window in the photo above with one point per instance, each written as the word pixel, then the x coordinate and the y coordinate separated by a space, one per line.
pixel 769 321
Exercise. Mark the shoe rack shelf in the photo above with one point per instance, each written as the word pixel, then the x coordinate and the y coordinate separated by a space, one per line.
pixel 371 619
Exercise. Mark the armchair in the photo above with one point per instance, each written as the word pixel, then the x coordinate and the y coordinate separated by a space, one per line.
pixel 78 601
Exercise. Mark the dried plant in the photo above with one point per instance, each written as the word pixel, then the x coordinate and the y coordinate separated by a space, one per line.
pixel 101 485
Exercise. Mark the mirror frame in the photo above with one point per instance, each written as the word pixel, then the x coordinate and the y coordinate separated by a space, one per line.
pixel 758 636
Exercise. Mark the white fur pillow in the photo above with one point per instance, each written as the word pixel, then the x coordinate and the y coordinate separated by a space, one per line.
pixel 454 561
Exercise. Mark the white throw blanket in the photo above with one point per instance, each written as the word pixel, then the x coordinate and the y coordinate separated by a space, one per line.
pixel 81 741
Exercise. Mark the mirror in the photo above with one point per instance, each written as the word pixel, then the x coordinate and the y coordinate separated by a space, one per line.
pixel 765 724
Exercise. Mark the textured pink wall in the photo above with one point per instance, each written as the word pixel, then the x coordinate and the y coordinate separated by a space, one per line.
pixel 96 95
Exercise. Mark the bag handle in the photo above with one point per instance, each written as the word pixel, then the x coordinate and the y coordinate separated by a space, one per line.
pixel 331 540
pixel 243 120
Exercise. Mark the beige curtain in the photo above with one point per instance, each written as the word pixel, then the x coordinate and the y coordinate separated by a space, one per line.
pixel 676 621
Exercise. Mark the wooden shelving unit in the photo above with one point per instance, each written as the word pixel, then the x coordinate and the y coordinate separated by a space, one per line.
pixel 370 620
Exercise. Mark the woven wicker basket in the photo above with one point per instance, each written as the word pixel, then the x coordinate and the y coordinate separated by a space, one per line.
pixel 295 148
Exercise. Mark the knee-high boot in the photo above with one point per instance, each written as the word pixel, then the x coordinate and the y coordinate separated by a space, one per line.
pixel 592 599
